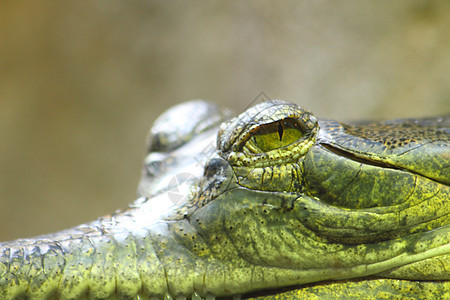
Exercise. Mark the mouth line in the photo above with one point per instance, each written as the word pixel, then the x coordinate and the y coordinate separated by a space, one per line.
pixel 356 158
pixel 372 162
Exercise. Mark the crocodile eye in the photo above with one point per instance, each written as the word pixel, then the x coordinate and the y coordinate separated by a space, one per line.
pixel 275 135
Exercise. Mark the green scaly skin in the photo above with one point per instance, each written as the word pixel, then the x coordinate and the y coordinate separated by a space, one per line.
pixel 281 206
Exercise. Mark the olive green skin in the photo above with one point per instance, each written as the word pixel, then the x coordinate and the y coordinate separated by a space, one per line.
pixel 357 211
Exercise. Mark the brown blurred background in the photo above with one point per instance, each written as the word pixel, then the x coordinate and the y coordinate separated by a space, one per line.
pixel 81 82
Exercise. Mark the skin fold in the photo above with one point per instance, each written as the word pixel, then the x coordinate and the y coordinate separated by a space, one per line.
pixel 273 203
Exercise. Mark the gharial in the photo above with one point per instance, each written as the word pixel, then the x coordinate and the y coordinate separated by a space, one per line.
pixel 273 203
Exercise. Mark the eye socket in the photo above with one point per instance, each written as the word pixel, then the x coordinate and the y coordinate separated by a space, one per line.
pixel 276 135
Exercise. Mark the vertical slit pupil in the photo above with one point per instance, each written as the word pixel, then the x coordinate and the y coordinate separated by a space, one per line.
pixel 280 130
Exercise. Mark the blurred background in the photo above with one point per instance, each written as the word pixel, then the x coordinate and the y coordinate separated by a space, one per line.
pixel 82 81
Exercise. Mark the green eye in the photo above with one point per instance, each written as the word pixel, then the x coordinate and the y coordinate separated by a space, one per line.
pixel 277 135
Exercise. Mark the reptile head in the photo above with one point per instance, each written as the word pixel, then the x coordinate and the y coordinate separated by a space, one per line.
pixel 288 197
pixel 269 199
